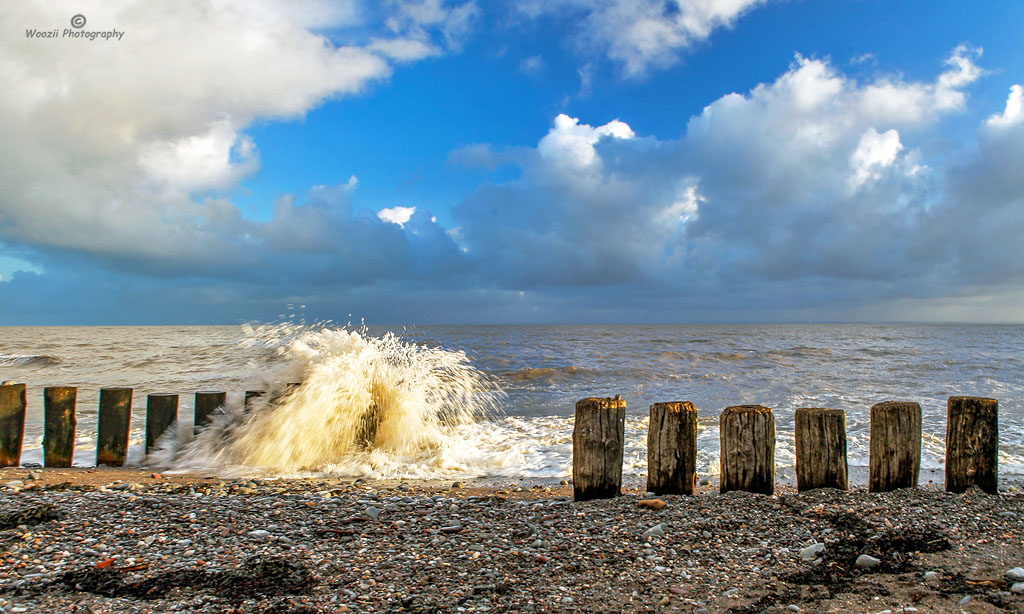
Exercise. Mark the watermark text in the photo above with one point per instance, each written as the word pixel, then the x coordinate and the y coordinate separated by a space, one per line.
pixel 76 31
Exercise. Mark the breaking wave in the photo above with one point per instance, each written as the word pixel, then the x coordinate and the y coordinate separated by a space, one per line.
pixel 343 401
pixel 28 359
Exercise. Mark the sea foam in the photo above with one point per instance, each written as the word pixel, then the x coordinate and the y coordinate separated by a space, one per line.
pixel 345 401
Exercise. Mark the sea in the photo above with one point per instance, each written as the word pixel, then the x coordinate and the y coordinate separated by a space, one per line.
pixel 455 402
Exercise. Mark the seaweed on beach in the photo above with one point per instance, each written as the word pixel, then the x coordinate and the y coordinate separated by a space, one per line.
pixel 287 607
pixel 34 515
pixel 256 576
pixel 991 590
pixel 893 547
pixel 776 596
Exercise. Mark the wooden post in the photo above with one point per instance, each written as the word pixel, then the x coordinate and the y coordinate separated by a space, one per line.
pixel 598 439
pixel 895 456
pixel 113 428
pixel 748 449
pixel 972 444
pixel 206 404
pixel 161 413
pixel 59 425
pixel 672 448
pixel 821 449
pixel 12 423
pixel 250 396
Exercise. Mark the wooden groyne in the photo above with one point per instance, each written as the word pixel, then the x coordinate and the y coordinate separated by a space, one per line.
pixel 747 457
pixel 747 435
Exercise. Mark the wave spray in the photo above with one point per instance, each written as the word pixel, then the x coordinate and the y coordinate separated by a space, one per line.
pixel 358 404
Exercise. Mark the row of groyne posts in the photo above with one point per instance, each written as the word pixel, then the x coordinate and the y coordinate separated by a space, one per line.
pixel 747 459
pixel 747 434
pixel 114 421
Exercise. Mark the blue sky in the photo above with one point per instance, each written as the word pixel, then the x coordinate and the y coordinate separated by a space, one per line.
pixel 470 161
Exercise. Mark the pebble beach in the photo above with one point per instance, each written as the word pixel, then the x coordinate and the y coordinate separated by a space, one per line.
pixel 128 540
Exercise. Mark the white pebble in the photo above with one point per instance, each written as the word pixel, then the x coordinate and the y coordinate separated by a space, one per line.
pixel 1018 587
pixel 1015 575
pixel 655 531
pixel 866 561
pixel 811 552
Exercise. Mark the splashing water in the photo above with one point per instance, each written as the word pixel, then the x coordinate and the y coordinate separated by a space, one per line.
pixel 359 405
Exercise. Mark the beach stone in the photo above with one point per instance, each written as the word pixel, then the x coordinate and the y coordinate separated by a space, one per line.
pixel 793 607
pixel 1015 575
pixel 866 561
pixel 653 504
pixel 811 552
pixel 931 575
pixel 965 600
pixel 730 593
pixel 259 533
pixel 705 482
pixel 373 512
pixel 656 531
pixel 1018 588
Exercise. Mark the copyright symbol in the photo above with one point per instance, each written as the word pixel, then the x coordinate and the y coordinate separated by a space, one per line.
pixel 78 21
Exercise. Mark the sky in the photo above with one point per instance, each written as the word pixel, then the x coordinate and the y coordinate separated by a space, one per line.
pixel 514 161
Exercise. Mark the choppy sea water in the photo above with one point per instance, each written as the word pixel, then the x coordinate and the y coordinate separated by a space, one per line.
pixel 534 375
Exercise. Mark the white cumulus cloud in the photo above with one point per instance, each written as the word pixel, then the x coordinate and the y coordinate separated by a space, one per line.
pixel 571 144
pixel 875 152
pixel 396 215
pixel 641 34
pixel 135 144
pixel 1013 114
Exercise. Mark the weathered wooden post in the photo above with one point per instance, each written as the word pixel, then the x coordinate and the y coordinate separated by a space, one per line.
pixel 161 413
pixel 821 449
pixel 59 424
pixel 250 398
pixel 113 428
pixel 895 451
pixel 598 439
pixel 972 444
pixel 748 449
pixel 672 448
pixel 206 404
pixel 12 423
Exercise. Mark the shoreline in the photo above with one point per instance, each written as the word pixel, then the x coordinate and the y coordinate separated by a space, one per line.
pixel 785 480
pixel 121 540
